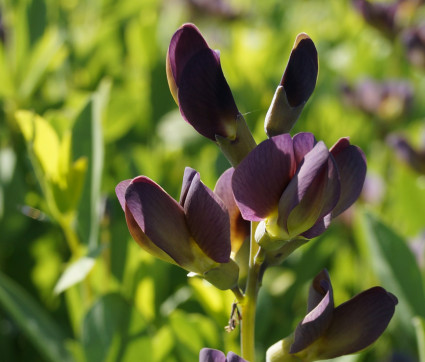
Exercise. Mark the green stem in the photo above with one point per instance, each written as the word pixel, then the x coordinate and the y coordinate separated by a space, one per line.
pixel 249 303
pixel 238 294
pixel 71 237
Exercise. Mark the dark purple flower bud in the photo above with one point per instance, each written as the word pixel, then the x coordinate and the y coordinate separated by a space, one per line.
pixel 295 186
pixel 414 43
pixel 327 332
pixel 198 85
pixel 381 16
pixel 297 85
pixel 412 157
pixel 239 228
pixel 387 100
pixel 214 355
pixel 194 234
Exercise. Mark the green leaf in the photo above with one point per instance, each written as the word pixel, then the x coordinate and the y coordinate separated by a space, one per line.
pixel 192 332
pixel 39 134
pixel 39 327
pixel 37 19
pixel 112 328
pixel 87 141
pixel 419 324
pixel 39 60
pixel 396 266
pixel 77 271
pixel 74 273
pixel 163 343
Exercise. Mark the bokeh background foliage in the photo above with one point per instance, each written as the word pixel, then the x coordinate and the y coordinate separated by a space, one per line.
pixel 85 104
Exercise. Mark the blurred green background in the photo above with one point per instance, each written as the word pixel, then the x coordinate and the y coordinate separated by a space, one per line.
pixel 85 104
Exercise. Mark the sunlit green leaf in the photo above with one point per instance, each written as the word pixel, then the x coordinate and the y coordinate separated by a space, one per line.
pixel 420 336
pixel 43 139
pixel 42 55
pixel 163 343
pixel 87 142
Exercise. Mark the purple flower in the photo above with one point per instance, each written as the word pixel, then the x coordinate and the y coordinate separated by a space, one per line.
pixel 327 332
pixel 193 233
pixel 295 88
pixel 239 228
pixel 198 85
pixel 214 355
pixel 414 42
pixel 413 157
pixel 387 100
pixel 295 186
pixel 381 16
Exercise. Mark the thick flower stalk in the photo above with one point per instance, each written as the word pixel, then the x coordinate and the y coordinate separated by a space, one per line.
pixel 295 186
pixel 328 332
pixel 295 88
pixel 193 233
pixel 198 85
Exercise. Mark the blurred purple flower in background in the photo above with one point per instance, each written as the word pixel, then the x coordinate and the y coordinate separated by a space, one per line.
pixel 414 43
pixel 415 158
pixel 387 100
pixel 380 15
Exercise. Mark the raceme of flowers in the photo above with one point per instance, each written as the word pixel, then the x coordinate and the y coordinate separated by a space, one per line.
pixel 288 188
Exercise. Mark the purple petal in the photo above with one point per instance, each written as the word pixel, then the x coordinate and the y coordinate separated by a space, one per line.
pixel 319 287
pixel 300 74
pixel 358 323
pixel 208 221
pixel 211 355
pixel 144 242
pixel 160 217
pixel 332 192
pixel 260 179
pixel 309 182
pixel 189 174
pixel 319 227
pixel 185 43
pixel 120 192
pixel 351 163
pixel 320 308
pixel 303 144
pixel 233 357
pixel 205 99
pixel 239 228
